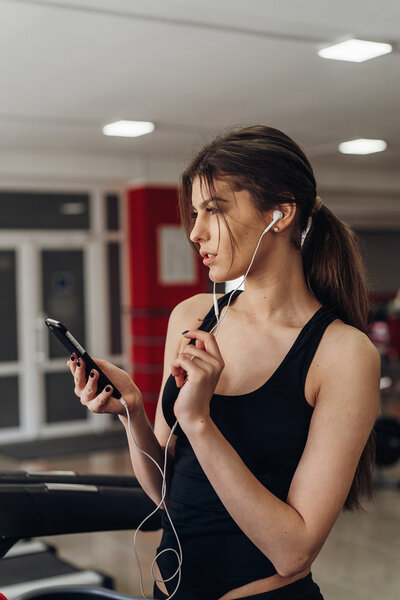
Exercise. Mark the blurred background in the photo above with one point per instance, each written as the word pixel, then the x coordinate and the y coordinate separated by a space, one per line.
pixel 90 231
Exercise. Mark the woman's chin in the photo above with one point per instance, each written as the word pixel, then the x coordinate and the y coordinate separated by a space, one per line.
pixel 218 278
pixel 215 278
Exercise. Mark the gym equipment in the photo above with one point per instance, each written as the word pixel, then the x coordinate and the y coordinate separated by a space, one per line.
pixel 53 503
pixel 33 565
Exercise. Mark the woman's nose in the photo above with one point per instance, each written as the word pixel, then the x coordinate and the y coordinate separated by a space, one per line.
pixel 198 232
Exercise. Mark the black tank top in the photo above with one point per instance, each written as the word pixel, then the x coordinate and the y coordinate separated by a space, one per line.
pixel 268 428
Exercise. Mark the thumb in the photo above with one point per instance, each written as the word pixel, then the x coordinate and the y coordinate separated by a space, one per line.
pixel 100 361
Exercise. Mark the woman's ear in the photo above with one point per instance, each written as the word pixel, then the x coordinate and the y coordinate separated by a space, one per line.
pixel 289 213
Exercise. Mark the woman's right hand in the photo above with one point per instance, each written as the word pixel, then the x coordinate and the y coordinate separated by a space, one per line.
pixel 86 390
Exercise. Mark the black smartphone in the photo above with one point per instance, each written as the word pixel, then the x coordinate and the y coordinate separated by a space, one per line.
pixel 72 345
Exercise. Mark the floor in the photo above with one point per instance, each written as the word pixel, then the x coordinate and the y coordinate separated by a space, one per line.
pixel 360 560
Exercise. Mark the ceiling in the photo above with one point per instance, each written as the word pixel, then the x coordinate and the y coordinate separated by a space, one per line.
pixel 68 67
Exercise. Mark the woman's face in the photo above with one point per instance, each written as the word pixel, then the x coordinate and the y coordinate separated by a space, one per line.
pixel 211 234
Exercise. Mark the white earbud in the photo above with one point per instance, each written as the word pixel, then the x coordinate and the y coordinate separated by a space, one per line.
pixel 276 215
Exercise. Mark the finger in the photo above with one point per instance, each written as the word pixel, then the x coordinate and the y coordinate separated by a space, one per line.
pixel 209 341
pixel 200 344
pixel 193 368
pixel 90 389
pixel 178 371
pixel 99 403
pixel 80 376
pixel 104 366
pixel 72 363
pixel 202 355
pixel 179 375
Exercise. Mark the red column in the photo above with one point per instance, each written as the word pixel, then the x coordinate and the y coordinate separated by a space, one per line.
pixel 163 271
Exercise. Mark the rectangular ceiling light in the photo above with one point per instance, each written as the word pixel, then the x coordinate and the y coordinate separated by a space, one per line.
pixel 362 146
pixel 128 128
pixel 355 50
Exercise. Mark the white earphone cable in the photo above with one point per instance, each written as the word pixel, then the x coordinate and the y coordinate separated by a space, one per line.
pixel 163 494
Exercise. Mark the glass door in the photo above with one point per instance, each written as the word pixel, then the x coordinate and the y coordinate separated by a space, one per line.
pixel 55 275
pixel 62 298
pixel 71 287
pixel 60 257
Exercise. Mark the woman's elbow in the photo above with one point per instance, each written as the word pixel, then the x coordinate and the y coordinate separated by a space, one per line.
pixel 294 566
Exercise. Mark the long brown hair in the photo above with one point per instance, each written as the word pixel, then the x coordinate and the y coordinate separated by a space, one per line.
pixel 274 169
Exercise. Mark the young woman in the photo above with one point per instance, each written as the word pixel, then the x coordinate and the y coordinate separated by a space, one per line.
pixel 275 413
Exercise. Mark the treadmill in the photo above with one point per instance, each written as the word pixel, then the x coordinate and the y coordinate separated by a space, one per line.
pixel 60 502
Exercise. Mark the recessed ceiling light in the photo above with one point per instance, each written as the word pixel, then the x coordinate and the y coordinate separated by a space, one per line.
pixel 355 50
pixel 128 128
pixel 362 146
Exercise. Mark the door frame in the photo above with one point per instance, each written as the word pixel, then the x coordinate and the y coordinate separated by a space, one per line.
pixel 32 364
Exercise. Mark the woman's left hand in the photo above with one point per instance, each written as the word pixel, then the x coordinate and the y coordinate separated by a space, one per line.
pixel 203 365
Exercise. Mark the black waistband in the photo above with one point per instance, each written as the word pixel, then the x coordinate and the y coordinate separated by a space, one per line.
pixel 302 589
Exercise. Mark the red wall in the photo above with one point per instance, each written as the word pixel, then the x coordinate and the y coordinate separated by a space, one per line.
pixel 151 301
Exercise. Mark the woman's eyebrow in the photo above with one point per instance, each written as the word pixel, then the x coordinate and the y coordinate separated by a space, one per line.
pixel 204 203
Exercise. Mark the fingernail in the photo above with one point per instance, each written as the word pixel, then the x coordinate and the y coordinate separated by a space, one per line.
pixel 183 332
pixel 91 374
pixel 108 388
pixel 78 363
pixel 72 357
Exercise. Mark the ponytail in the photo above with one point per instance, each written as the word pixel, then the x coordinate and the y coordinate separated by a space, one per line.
pixel 334 270
pixel 335 273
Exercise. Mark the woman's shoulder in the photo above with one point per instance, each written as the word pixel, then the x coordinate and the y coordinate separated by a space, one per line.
pixel 347 369
pixel 345 342
pixel 198 300
pixel 192 310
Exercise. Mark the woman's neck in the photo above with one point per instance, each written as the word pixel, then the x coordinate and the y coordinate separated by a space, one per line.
pixel 279 295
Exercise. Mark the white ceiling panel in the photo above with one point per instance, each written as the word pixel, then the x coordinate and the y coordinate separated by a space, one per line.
pixel 67 67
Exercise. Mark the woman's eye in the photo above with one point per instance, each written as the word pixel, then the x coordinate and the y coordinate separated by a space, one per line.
pixel 212 210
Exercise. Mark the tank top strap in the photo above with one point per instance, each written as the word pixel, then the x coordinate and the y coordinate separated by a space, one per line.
pixel 308 341
pixel 209 320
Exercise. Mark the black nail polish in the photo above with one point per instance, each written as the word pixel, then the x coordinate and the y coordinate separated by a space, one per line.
pixel 91 374
pixel 183 332
pixel 72 357
pixel 78 363
pixel 108 388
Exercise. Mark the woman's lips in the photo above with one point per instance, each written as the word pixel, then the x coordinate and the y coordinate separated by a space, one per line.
pixel 208 259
